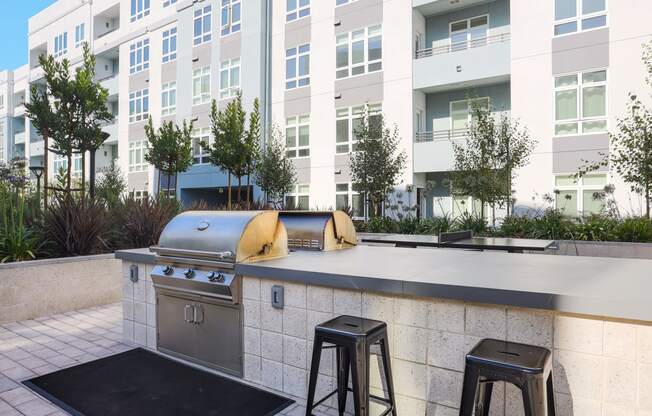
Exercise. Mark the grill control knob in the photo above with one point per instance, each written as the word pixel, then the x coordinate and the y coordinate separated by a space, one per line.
pixel 215 277
pixel 189 273
pixel 167 270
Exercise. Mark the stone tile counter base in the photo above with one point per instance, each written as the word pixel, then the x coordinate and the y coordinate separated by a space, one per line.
pixel 602 367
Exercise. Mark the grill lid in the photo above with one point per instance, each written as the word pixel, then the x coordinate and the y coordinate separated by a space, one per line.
pixel 233 236
pixel 311 230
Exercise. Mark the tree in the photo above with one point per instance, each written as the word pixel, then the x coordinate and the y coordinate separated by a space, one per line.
pixel 486 161
pixel 39 109
pixel 111 185
pixel 377 163
pixel 234 147
pixel 93 113
pixel 169 149
pixel 630 146
pixel 275 173
pixel 252 147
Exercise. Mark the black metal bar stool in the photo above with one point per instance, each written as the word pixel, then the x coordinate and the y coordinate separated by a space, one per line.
pixel 526 366
pixel 352 338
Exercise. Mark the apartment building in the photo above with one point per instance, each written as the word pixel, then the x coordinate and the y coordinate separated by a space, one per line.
pixel 563 68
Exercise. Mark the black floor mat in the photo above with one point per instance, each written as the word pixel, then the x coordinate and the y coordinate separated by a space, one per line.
pixel 139 382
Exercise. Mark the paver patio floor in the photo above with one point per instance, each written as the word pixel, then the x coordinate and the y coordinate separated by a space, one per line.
pixel 43 345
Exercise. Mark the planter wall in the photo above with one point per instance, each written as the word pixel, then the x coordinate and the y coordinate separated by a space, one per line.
pixel 47 287
pixel 604 249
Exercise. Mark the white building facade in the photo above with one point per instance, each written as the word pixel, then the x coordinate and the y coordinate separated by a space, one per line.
pixel 562 68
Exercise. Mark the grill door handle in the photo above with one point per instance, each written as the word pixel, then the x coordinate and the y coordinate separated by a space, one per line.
pixel 198 314
pixel 188 314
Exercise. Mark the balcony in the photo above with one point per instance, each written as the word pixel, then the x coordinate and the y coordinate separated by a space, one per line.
pixel 433 151
pixel 36 148
pixel 19 137
pixel 447 66
pixel 111 83
pixel 19 110
pixel 433 7
pixel 112 130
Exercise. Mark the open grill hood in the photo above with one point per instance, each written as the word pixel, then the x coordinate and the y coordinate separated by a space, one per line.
pixel 323 231
pixel 229 237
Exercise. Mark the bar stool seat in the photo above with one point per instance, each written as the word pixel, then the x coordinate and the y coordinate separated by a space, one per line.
pixel 527 366
pixel 352 338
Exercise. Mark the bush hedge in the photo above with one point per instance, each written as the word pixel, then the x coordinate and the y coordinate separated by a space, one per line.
pixel 552 225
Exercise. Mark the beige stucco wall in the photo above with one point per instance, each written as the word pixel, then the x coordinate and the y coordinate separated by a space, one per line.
pixel 46 287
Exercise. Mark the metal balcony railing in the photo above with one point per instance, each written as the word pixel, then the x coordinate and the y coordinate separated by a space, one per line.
pixel 462 46
pixel 431 136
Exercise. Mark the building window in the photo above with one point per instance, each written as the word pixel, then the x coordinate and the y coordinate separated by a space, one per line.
pixel 296 9
pixel 137 152
pixel 229 78
pixel 203 25
pixel 299 198
pixel 297 67
pixel 349 201
pixel 342 2
pixel 138 105
pixel 169 98
pixel 167 3
pixel 201 85
pixel 348 121
pixel 580 196
pixel 61 163
pixel 297 136
pixel 80 36
pixel 462 112
pixel 61 44
pixel 359 52
pixel 139 195
pixel 469 33
pixel 579 15
pixel 231 20
pixel 581 103
pixel 139 56
pixel 139 9
pixel 170 45
pixel 199 154
pixel 2 102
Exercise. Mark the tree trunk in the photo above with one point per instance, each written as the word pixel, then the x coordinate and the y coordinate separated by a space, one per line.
pixel 239 194
pixel 647 202
pixel 176 179
pixel 83 174
pixel 248 196
pixel 69 174
pixel 46 184
pixel 228 195
pixel 91 179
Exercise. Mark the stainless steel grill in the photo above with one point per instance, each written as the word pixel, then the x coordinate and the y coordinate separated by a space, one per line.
pixel 198 296
pixel 323 231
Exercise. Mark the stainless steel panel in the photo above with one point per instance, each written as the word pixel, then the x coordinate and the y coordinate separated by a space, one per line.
pixel 205 331
pixel 305 229
pixel 199 284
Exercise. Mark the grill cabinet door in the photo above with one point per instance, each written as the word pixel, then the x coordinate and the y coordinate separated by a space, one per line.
pixel 219 336
pixel 175 329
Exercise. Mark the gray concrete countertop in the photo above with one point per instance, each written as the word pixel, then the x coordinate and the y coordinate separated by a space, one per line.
pixel 609 287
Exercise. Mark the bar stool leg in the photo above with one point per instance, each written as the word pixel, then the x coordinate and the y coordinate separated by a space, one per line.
pixel 483 403
pixel 387 368
pixel 535 399
pixel 469 390
pixel 343 367
pixel 314 372
pixel 552 411
pixel 359 355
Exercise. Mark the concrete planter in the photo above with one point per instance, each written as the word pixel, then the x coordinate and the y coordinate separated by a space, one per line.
pixel 46 287
pixel 604 249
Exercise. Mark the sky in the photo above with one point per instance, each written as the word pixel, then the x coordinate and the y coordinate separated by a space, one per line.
pixel 13 30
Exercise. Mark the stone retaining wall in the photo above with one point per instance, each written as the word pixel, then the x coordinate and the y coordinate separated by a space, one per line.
pixel 47 287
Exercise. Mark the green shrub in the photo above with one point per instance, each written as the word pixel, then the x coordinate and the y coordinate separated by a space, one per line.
pixel 139 223
pixel 636 229
pixel 75 226
pixel 472 222
pixel 18 242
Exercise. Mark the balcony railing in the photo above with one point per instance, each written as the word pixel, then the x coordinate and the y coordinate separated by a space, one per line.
pixel 462 46
pixel 431 136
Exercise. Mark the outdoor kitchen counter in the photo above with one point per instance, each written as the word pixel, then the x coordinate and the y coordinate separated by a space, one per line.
pixel 608 287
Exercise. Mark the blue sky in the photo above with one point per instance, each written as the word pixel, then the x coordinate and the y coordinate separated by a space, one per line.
pixel 13 30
